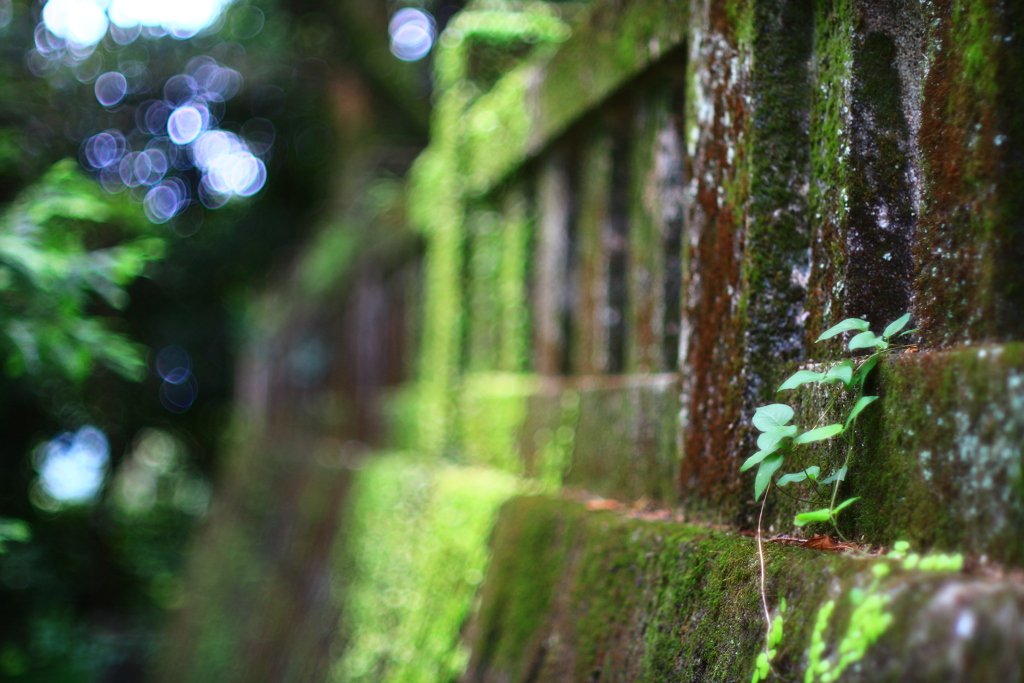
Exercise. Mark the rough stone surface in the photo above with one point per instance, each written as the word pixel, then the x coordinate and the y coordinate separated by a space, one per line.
pixel 584 596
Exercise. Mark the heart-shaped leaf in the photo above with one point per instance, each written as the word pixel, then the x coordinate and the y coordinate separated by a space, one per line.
pixel 771 438
pixel 866 340
pixel 774 415
pixel 791 478
pixel 863 370
pixel 794 477
pixel 843 372
pixel 839 475
pixel 756 458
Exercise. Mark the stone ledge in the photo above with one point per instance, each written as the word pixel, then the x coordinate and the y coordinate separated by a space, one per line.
pixel 572 595
pixel 612 435
pixel 941 464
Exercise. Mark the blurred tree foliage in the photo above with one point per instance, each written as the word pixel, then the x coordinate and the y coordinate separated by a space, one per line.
pixel 90 290
pixel 63 241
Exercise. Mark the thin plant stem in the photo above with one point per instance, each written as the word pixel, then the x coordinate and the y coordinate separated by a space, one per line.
pixel 760 554
pixel 793 497
pixel 800 463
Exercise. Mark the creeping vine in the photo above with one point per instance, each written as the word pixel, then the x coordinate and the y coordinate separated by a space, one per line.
pixel 781 442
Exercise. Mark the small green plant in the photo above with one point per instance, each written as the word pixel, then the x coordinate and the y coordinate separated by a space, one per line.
pixel 781 442
pixel 869 617
pixel 866 620
pixel 763 664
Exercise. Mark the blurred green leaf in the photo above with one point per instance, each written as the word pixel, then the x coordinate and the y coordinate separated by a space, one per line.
pixel 863 370
pixel 842 372
pixel 794 477
pixel 770 439
pixel 13 530
pixel 756 458
pixel 865 340
pixel 862 403
pixel 66 246
pixel 838 475
pixel 822 515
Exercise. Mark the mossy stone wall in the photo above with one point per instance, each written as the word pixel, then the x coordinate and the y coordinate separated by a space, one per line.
pixel 637 216
pixel 636 233
pixel 701 189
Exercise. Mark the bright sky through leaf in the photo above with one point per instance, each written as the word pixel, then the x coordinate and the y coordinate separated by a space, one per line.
pixel 83 23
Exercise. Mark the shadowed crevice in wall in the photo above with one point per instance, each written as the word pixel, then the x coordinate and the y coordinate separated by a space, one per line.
pixel 881 214
pixel 617 247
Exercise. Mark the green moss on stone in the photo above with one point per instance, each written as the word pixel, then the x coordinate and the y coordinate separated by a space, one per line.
pixel 492 412
pixel 573 595
pixel 968 282
pixel 616 43
pixel 514 606
pixel 415 553
pixel 438 202
pixel 940 463
pixel 830 149
pixel 776 229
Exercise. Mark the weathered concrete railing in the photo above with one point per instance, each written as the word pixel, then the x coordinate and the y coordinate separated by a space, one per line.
pixel 635 235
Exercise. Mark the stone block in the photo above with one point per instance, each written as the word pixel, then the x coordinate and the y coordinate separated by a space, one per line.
pixel 572 595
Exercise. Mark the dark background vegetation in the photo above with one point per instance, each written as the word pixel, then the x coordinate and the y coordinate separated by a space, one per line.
pixel 84 596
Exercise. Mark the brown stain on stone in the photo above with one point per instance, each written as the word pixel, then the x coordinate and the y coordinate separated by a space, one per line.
pixel 969 283
pixel 949 263
pixel 712 373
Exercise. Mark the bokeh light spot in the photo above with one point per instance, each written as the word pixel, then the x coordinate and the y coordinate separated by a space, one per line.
pixel 180 90
pixel 125 36
pixel 184 125
pixel 162 203
pixel 7 13
pixel 151 117
pixel 105 149
pixel 230 167
pixel 259 135
pixel 412 34
pixel 246 22
pixel 111 88
pixel 88 69
pixel 179 18
pixel 80 22
pixel 179 397
pixel 173 364
pixel 72 466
